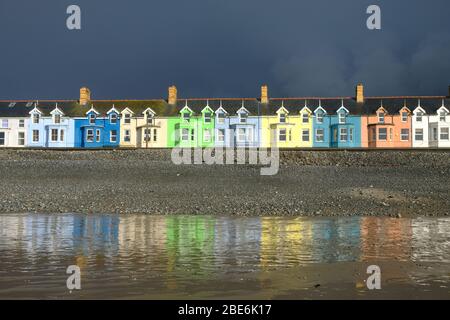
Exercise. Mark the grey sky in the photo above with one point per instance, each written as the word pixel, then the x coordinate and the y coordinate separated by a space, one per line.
pixel 222 48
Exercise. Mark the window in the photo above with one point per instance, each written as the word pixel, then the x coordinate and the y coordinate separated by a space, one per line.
pixel 305 135
pixel 207 117
pixel 381 117
pixel 185 134
pixel 5 123
pixel 404 116
pixel 21 140
pixel 90 135
pixel 147 134
pixel 319 117
pixel 155 135
pixel 113 135
pixel 221 135
pixel 206 135
pixel 374 134
pixel 290 135
pixel 335 133
pixel 434 134
pixel 319 135
pixel 192 135
pixel 444 133
pixel 113 118
pixel 22 123
pixel 127 118
pixel 35 135
pixel 54 135
pixel 343 134
pixel 404 135
pixel 243 117
pixel 2 138
pixel 391 134
pixel 282 118
pixel 442 116
pixel 57 118
pixel 61 135
pixel 305 117
pixel 419 116
pixel 92 118
pixel 382 134
pixel 242 134
pixel 341 117
pixel 35 118
pixel 351 135
pixel 186 116
pixel 126 136
pixel 149 118
pixel 221 118
pixel 97 135
pixel 282 135
pixel 419 135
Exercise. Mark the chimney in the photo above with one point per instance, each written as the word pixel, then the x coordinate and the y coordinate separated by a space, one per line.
pixel 85 95
pixel 360 93
pixel 172 95
pixel 264 94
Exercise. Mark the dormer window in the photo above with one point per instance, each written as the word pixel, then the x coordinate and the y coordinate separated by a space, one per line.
pixel 57 118
pixel 92 118
pixel 113 118
pixel 341 117
pixel 149 118
pixel 221 118
pixel 207 117
pixel 442 116
pixel 305 117
pixel 404 116
pixel 381 117
pixel 127 118
pixel 242 117
pixel 419 116
pixel 319 117
pixel 282 118
pixel 186 116
pixel 36 118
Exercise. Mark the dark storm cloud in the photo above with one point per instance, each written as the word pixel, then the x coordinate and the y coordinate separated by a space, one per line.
pixel 135 49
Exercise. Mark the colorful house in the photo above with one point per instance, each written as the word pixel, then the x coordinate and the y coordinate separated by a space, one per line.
pixel 50 127
pixel 13 123
pixel 386 124
pixel 287 124
pixel 98 128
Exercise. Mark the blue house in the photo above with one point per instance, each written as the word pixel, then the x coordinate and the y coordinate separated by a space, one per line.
pixel 98 130
pixel 50 127
pixel 238 126
pixel 337 126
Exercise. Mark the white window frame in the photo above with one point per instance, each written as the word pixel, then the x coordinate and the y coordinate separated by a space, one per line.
pixel 350 134
pixel 113 118
pixel 62 135
pixel 242 135
pixel 98 135
pixel 343 132
pixel 416 134
pixel 113 136
pixel 282 133
pixel 36 118
pixel 92 118
pixel 342 117
pixel 3 140
pixel 207 135
pixel 221 135
pixel 127 135
pixel 186 116
pixel 155 134
pixel 444 136
pixel 404 116
pixel 185 132
pixel 243 117
pixel 127 118
pixel 282 118
pixel 221 118
pixel 90 135
pixel 419 117
pixel 306 135
pixel 305 117
pixel 21 140
pixel 320 135
pixel 21 123
pixel 442 116
pixel 207 117
pixel 381 117
pixel 319 117
pixel 379 138
pixel 54 133
pixel 403 135
pixel 57 118
pixel 5 123
pixel 35 135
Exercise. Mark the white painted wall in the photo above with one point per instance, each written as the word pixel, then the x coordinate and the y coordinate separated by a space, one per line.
pixel 12 130
pixel 424 125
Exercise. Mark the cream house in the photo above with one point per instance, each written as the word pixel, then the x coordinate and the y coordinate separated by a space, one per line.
pixel 13 124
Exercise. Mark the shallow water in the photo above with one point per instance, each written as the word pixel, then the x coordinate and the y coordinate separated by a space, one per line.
pixel 140 256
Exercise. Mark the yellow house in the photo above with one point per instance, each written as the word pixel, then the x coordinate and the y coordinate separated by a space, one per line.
pixel 287 124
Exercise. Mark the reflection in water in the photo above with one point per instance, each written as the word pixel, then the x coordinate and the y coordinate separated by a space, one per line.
pixel 174 253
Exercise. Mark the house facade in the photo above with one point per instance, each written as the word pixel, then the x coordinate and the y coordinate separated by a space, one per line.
pixel 98 129
pixel 13 132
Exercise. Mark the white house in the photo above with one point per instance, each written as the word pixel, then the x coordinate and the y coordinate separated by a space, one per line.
pixel 431 125
pixel 420 128
pixel 439 128
pixel 13 125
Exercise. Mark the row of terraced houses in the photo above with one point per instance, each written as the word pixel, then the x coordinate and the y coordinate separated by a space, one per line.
pixel 313 122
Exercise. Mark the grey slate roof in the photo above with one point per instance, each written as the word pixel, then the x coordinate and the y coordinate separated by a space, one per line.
pixel 73 109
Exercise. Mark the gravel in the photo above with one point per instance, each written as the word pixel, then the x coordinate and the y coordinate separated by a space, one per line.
pixel 309 183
